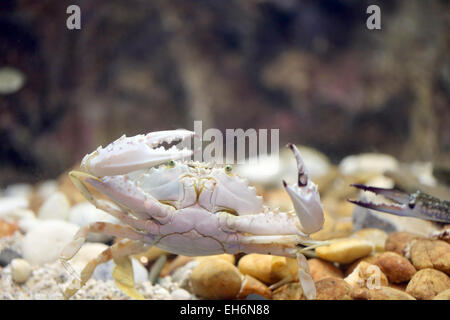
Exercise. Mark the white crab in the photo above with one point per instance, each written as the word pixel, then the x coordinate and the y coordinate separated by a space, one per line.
pixel 190 208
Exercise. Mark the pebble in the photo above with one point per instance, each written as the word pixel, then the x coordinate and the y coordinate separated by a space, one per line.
pixel 7 228
pixel 44 243
pixel 382 293
pixel 376 163
pixel 444 295
pixel 267 268
pixel 22 190
pixel 319 269
pixel 225 256
pixel 399 241
pixel 180 294
pixel 20 270
pixel 251 285
pixel 333 289
pixel 369 259
pixel 18 214
pixel 431 254
pixel 396 267
pixel 7 255
pixel 216 279
pixel 55 207
pixel 345 250
pixel 46 188
pixel 11 204
pixel 85 213
pixel 366 275
pixel 376 236
pixel 289 291
pixel 427 283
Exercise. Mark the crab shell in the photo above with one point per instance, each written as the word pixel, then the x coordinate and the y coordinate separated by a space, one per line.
pixel 191 208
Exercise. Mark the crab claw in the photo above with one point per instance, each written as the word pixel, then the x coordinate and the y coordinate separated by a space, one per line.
pixel 398 207
pixel 305 198
pixel 128 154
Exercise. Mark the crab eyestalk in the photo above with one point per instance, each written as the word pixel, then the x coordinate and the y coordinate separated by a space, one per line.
pixel 128 154
pixel 305 197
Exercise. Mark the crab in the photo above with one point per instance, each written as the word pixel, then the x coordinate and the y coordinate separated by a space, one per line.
pixel 188 207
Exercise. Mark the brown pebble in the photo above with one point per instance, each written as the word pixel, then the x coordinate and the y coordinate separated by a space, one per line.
pixel 427 283
pixel 382 293
pixel 289 291
pixel 333 289
pixel 398 241
pixel 431 254
pixel 267 268
pixel 319 269
pixel 396 267
pixel 444 295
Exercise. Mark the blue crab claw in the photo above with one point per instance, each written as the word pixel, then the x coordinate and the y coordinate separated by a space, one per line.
pixel 305 198
pixel 128 154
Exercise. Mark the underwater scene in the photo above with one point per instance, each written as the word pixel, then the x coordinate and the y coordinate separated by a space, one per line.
pixel 224 150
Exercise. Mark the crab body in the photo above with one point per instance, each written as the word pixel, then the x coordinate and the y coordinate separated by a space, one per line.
pixel 194 208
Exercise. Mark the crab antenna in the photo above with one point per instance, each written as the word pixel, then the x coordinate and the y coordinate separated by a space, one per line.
pixel 302 172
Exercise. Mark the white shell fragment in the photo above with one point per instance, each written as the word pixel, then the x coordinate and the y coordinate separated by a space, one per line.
pixel 55 207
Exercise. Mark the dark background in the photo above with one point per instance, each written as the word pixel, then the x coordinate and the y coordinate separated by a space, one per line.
pixel 310 68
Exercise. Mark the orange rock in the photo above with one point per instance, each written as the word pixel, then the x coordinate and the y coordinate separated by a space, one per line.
pixel 319 269
pixel 7 229
pixel 333 289
pixel 289 291
pixel 396 267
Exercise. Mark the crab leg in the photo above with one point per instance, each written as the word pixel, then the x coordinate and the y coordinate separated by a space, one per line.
pixel 128 154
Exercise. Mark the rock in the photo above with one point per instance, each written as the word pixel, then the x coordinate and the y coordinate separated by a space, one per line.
pixel 376 236
pixel 345 250
pixel 7 229
pixel 289 291
pixel 44 243
pixel 333 289
pixel 431 254
pixel 396 267
pixel 319 269
pixel 225 256
pixel 375 163
pixel 11 204
pixel 18 214
pixel 55 207
pixel 180 294
pixel 7 255
pixel 444 295
pixel 46 188
pixel 398 241
pixel 369 259
pixel 85 213
pixel 216 279
pixel 26 224
pixel 267 268
pixel 22 190
pixel 251 285
pixel 20 270
pixel 427 283
pixel 367 275
pixel 382 293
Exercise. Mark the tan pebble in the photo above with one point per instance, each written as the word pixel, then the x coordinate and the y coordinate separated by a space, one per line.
pixel 251 285
pixel 369 259
pixel 366 275
pixel 289 291
pixel 398 241
pixel 345 250
pixel 396 267
pixel 427 283
pixel 20 270
pixel 431 254
pixel 333 289
pixel 225 256
pixel 267 268
pixel 320 269
pixel 326 232
pixel 382 293
pixel 216 279
pixel 376 236
pixel 7 229
pixel 176 263
pixel 444 295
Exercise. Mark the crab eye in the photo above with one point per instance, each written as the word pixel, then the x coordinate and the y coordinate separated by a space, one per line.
pixel 171 164
pixel 228 168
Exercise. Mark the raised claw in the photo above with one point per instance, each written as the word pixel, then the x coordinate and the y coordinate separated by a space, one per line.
pixel 128 154
pixel 305 197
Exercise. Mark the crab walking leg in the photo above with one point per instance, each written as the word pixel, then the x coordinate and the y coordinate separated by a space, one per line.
pixel 306 281
pixel 117 251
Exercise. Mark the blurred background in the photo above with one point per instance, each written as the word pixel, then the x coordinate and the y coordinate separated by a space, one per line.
pixel 310 68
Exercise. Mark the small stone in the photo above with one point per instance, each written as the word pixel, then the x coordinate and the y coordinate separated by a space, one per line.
pixel 45 242
pixel 398 241
pixel 319 269
pixel 376 236
pixel 396 267
pixel 382 293
pixel 444 295
pixel 251 285
pixel 345 250
pixel 7 255
pixel 267 268
pixel 289 291
pixel 216 279
pixel 7 229
pixel 375 163
pixel 225 256
pixel 23 190
pixel 55 207
pixel 431 254
pixel 367 275
pixel 369 259
pixel 20 270
pixel 10 204
pixel 180 294
pixel 333 289
pixel 85 213
pixel 427 283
